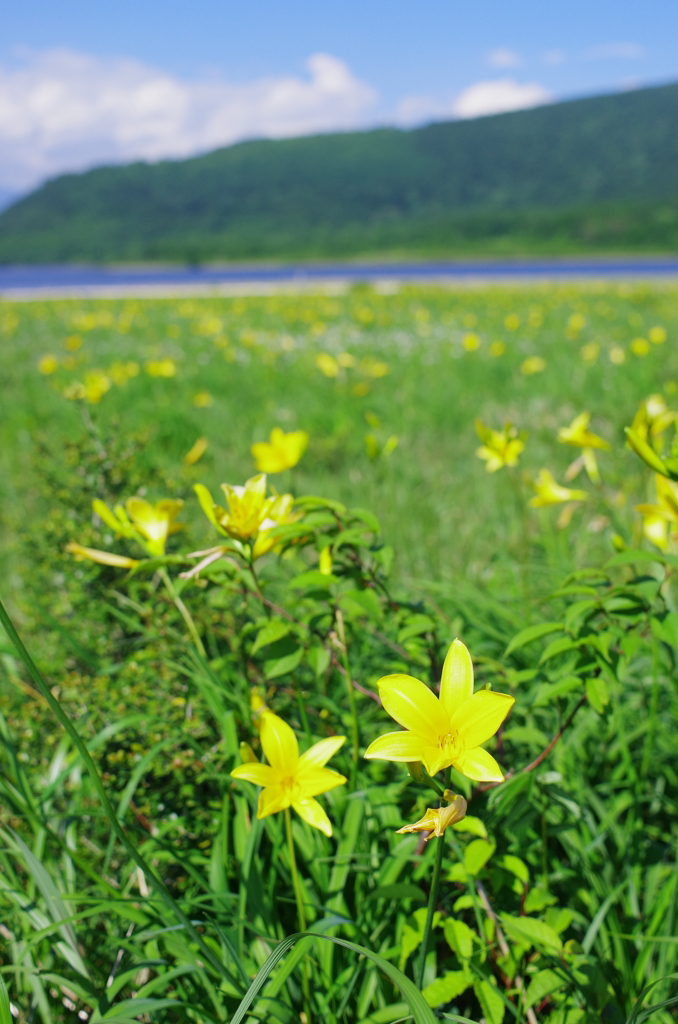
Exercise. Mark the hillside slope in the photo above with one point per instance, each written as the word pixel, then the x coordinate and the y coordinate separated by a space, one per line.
pixel 383 189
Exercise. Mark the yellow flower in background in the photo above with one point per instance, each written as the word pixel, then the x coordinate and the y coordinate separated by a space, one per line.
pixel 497 348
pixel 102 557
pixel 579 435
pixel 657 335
pixel 196 452
pixel 617 355
pixel 161 368
pixel 532 365
pixel 325 561
pixel 283 451
pixel 291 780
pixel 150 524
pixel 202 400
pixel 551 493
pixel 652 418
pixel 512 321
pixel 471 342
pixel 657 517
pixel 590 352
pixel 640 347
pixel 446 730
pixel 500 447
pixel 48 364
pixel 327 364
pixel 96 384
pixel 437 819
pixel 73 343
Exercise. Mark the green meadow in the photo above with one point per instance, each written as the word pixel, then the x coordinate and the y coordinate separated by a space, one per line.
pixel 137 882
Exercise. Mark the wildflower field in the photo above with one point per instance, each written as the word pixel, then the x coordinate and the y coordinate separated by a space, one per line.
pixel 339 675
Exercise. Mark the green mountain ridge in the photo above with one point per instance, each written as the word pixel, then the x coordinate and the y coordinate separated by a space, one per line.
pixel 597 173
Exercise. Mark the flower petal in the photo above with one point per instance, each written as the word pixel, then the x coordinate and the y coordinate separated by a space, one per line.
pixel 413 706
pixel 273 799
pixel 313 780
pixel 456 685
pixel 207 505
pixel 479 765
pixel 396 746
pixel 313 813
pixel 321 752
pixel 435 759
pixel 102 557
pixel 279 743
pixel 253 771
pixel 480 717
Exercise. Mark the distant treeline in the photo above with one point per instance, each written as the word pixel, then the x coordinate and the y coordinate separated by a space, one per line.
pixel 594 174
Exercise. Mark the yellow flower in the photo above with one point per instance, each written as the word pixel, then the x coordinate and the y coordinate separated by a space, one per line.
pixel 195 453
pixel 282 452
pixel 653 417
pixel 579 435
pixel 251 515
pixel 48 364
pixel 533 364
pixel 499 448
pixel 551 493
pixel 640 347
pixel 290 780
pixel 102 557
pixel 657 335
pixel 161 368
pixel 437 819
pixel 658 516
pixel 327 364
pixel 446 730
pixel 202 400
pixel 139 519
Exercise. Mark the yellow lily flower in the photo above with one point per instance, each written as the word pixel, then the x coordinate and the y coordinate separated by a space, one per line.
pixel 580 436
pixel 282 452
pixel 658 516
pixel 653 418
pixel 500 447
pixel 551 493
pixel 150 524
pixel 102 557
pixel 251 515
pixel 437 819
pixel 290 780
pixel 446 730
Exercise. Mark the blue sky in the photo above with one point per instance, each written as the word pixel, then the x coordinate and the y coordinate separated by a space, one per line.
pixel 84 82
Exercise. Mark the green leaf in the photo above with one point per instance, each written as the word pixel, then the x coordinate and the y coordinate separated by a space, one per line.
pixel 5 1012
pixel 516 866
pixel 272 631
pixel 531 633
pixel 549 692
pixel 366 517
pixel 477 854
pixel 314 578
pixel 597 693
pixel 556 647
pixel 421 1011
pixel 543 983
pixel 361 603
pixel 474 826
pixel 531 931
pixel 415 625
pixel 447 988
pixel 459 938
pixel 491 1002
pixel 285 663
pixel 319 659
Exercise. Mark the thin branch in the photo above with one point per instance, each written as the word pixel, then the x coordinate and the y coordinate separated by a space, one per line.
pixel 504 949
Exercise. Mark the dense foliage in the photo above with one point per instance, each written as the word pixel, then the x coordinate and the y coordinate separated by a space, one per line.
pixel 606 165
pixel 136 882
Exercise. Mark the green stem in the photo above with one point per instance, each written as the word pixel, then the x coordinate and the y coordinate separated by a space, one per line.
pixel 432 901
pixel 355 731
pixel 299 896
pixel 184 612
pixel 130 847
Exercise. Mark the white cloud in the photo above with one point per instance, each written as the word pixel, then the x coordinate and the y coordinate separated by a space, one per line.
pixel 628 51
pixel 503 58
pixel 499 96
pixel 64 111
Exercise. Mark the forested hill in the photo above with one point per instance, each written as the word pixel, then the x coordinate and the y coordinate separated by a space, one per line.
pixel 599 172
